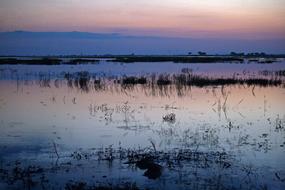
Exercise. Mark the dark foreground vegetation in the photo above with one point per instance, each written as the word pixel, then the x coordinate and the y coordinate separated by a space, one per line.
pixel 85 186
pixel 151 161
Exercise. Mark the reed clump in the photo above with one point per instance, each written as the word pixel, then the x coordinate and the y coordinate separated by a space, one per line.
pixel 133 80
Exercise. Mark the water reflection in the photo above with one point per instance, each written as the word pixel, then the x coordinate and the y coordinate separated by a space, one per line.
pixel 99 128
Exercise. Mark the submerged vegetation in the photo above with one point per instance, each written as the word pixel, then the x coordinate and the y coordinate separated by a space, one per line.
pixel 84 186
pixel 188 163
pixel 154 164
pixel 169 118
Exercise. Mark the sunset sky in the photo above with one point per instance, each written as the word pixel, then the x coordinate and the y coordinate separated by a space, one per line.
pixel 258 19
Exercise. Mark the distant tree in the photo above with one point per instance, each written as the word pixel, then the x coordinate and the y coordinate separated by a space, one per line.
pixel 236 54
pixel 202 53
pixel 257 54
pixel 189 53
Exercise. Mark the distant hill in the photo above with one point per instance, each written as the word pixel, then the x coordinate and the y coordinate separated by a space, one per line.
pixel 67 43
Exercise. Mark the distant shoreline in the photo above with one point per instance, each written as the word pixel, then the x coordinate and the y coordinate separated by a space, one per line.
pixel 249 55
pixel 73 60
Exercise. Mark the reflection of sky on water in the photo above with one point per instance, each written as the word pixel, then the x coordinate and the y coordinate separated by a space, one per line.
pixel 118 69
pixel 96 119
pixel 243 124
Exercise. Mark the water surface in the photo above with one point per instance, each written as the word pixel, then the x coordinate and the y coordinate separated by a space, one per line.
pixel 43 121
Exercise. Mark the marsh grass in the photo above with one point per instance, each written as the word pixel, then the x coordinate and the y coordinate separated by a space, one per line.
pixel 202 81
pixel 42 61
pixel 81 61
pixel 178 59
pixel 133 80
pixel 45 61
pixel 73 60
pixel 157 85
pixel 280 73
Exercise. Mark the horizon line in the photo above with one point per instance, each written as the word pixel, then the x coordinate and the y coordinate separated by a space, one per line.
pixel 145 36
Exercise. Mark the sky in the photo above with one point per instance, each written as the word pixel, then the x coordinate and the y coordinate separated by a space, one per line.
pixel 155 26
pixel 175 18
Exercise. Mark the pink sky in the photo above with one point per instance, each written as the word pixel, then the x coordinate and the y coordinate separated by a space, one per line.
pixel 258 19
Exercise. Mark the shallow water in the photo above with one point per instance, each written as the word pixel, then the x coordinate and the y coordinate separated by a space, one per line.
pixel 247 123
pixel 109 69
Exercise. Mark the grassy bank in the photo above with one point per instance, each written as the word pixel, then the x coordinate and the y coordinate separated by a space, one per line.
pixel 45 61
pixel 177 59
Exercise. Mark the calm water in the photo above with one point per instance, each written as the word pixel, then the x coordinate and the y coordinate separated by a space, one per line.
pixel 40 120
pixel 105 68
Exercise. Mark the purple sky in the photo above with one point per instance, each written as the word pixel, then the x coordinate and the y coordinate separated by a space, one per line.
pixel 226 20
pixel 197 18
